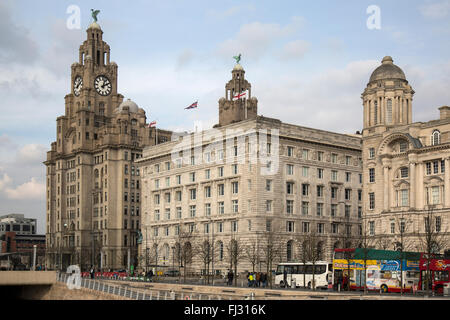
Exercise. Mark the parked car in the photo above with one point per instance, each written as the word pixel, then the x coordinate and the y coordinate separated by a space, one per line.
pixel 172 273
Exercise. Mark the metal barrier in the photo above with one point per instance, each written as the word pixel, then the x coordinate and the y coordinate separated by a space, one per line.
pixel 143 293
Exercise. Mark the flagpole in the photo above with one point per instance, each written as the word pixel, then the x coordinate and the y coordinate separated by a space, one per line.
pixel 245 106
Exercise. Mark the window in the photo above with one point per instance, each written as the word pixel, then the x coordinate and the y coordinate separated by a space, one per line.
pixel 347 211
pixel 305 154
pixel 435 138
pixel 157 184
pixel 220 171
pixel 389 111
pixel 372 228
pixel 168 165
pixel 334 228
pixel 178 196
pixel 207 209
pixel 372 175
pixel 348 194
pixel 433 195
pixel 167 197
pixel 319 209
pixel 333 210
pixel 334 191
pixel 192 210
pixel 403 146
pixel 289 169
pixel 348 160
pixel 305 227
pixel 348 177
pixel 404 172
pixel 220 227
pixel 268 185
pixel 207 174
pixel 235 206
pixel 208 192
pixel 168 182
pixel 359 212
pixel 290 151
pixel 438 224
pixel 371 153
pixel 289 187
pixel 235 187
pixel 234 168
pixel 179 212
pixel 320 173
pixel 290 226
pixel 305 171
pixel 221 189
pixel 319 156
pixel 221 207
pixel 167 214
pixel 305 208
pixel 320 191
pixel 193 194
pixel 320 228
pixel 359 195
pixel 178 179
pixel 404 198
pixel 289 206
pixel 305 189
pixel 234 226
pixel 192 177
pixel 392 227
pixel 375 112
pixel 334 158
pixel 268 205
pixel 334 175
pixel 371 201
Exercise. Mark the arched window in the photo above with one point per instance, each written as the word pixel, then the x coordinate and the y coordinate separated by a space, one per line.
pixel 96 173
pixel 289 253
pixel 389 111
pixel 436 138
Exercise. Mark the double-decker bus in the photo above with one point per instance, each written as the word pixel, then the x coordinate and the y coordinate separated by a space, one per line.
pixel 302 274
pixel 439 269
pixel 379 270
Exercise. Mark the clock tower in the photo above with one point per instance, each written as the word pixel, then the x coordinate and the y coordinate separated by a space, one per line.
pixel 93 183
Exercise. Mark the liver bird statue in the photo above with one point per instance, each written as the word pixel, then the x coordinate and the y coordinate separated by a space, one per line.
pixel 94 14
pixel 237 58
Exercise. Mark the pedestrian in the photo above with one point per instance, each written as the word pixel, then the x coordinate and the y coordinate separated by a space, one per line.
pixel 92 272
pixel 258 279
pixel 230 277
pixel 285 278
pixel 249 279
pixel 263 279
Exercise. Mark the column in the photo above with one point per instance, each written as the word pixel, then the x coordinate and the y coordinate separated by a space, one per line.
pixel 386 167
pixel 420 197
pixel 412 190
pixel 399 108
pixel 447 184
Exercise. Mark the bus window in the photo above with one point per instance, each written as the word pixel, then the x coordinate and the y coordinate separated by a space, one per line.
pixel 280 269
pixel 386 274
pixel 330 267
pixel 320 269
pixel 288 269
pixel 309 269
pixel 413 274
pixel 441 276
pixel 294 270
pixel 301 269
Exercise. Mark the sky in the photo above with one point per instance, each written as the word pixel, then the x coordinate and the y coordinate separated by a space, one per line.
pixel 308 63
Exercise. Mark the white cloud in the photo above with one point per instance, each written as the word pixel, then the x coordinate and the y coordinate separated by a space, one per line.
pixel 31 190
pixel 230 12
pixel 436 10
pixel 32 153
pixel 4 181
pixel 254 39
pixel 295 50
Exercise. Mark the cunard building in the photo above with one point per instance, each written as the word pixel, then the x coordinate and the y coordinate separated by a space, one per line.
pixel 93 185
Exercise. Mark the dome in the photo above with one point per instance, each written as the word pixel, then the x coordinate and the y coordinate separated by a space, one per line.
pixel 387 70
pixel 94 25
pixel 238 67
pixel 132 107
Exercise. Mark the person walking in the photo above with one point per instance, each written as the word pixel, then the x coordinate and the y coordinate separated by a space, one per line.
pixel 263 279
pixel 258 279
pixel 230 277
pixel 285 278
pixel 92 272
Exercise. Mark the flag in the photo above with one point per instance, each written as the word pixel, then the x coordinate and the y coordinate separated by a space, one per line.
pixel 240 95
pixel 192 106
pixel 151 124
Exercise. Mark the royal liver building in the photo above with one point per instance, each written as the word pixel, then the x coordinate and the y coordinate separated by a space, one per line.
pixel 93 184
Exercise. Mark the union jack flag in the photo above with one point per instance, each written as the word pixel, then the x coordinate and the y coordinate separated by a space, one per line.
pixel 192 106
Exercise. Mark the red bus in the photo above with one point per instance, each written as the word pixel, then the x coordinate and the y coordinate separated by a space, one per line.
pixel 439 273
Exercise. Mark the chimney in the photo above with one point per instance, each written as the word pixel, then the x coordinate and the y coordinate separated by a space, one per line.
pixel 444 112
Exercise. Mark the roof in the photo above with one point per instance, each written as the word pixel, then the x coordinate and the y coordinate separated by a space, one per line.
pixel 387 70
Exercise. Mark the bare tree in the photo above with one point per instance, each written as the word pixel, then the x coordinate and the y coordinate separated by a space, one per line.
pixel 186 252
pixel 432 240
pixel 311 252
pixel 269 246
pixel 236 251
pixel 252 253
pixel 205 252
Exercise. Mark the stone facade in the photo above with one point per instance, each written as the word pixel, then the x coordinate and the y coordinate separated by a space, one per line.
pixel 406 166
pixel 234 182
pixel 93 185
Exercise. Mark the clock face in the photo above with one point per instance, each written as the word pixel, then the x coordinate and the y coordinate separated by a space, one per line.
pixel 103 85
pixel 77 85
